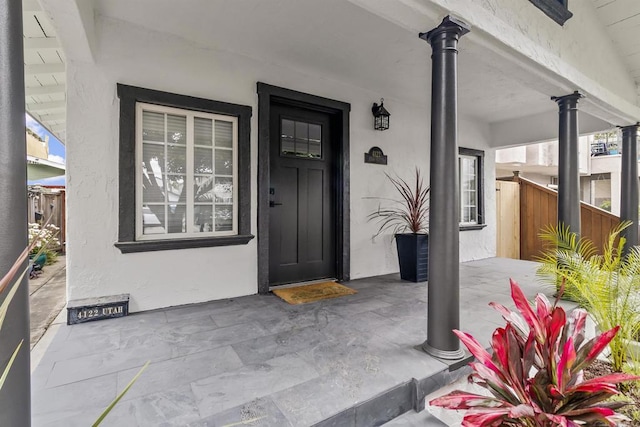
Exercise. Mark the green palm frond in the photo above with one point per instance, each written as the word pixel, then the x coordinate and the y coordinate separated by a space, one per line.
pixel 607 285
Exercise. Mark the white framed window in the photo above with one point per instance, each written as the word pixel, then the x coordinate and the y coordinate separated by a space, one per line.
pixel 470 169
pixel 186 173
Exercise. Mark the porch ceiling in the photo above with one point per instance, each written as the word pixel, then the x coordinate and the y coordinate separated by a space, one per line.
pixel 44 70
pixel 621 18
pixel 338 40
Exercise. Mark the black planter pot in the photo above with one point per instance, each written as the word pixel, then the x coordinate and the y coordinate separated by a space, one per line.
pixel 413 255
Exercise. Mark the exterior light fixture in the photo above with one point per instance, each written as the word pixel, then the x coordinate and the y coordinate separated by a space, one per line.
pixel 380 116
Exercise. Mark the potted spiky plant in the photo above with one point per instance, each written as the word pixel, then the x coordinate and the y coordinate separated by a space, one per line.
pixel 408 219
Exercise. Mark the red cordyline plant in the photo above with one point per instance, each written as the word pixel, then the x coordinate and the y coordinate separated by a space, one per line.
pixel 536 371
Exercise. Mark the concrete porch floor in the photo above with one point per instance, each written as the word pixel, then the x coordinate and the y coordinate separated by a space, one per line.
pixel 259 361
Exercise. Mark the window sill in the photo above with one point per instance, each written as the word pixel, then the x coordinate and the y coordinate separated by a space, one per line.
pixel 165 245
pixel 554 10
pixel 472 227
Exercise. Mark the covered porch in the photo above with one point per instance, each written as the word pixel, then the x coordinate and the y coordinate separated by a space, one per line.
pixel 259 361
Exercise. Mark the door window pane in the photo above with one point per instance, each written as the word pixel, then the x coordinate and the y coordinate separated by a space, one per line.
pixel 300 139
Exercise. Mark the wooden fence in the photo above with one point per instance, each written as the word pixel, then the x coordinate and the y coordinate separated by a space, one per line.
pixel 44 204
pixel 539 208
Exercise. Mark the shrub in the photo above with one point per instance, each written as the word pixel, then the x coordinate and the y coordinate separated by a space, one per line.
pixel 43 240
pixel 605 285
pixel 535 375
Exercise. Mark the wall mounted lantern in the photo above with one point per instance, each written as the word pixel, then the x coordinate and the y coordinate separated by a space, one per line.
pixel 380 116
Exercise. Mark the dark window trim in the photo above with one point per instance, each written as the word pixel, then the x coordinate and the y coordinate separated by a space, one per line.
pixel 267 96
pixel 129 96
pixel 554 9
pixel 481 220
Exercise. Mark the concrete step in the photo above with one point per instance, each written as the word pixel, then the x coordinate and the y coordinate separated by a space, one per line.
pixel 402 405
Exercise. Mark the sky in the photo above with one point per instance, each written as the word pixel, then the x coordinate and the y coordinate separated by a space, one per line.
pixel 56 151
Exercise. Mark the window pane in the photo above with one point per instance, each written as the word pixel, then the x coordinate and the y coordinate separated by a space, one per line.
pixel 152 189
pixel 153 219
pixel 315 141
pixel 176 129
pixel 224 131
pixel 224 162
pixel 176 221
pixel 152 126
pixel 288 129
pixel 302 138
pixel 287 138
pixel 203 131
pixel 203 189
pixel 223 190
pixel 203 219
pixel 203 160
pixel 175 187
pixel 176 159
pixel 153 158
pixel 224 218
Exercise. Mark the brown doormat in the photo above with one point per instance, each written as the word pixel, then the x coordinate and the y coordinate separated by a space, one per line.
pixel 312 293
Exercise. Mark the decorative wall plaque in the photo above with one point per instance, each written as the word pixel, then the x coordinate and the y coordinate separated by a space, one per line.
pixel 375 156
pixel 89 309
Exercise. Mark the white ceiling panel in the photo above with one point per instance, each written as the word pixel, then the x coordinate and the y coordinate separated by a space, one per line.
pixel 621 19
pixel 44 70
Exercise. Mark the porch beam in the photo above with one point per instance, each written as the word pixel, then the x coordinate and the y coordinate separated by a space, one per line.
pixel 568 162
pixel 35 69
pixel 52 117
pixel 39 107
pixel 40 43
pixel 15 396
pixel 443 302
pixel 629 185
pixel 45 90
pixel 43 107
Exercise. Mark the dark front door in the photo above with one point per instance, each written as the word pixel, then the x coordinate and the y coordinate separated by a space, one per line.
pixel 302 206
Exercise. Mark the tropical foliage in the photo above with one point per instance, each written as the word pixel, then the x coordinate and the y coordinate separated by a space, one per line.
pixel 606 285
pixel 410 213
pixel 535 375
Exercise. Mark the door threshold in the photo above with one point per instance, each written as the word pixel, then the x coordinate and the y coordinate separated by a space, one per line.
pixel 308 282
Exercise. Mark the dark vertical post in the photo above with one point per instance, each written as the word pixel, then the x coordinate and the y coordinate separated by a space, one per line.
pixel 629 185
pixel 568 165
pixel 444 215
pixel 15 396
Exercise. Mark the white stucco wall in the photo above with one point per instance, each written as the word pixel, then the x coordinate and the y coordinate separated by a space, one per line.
pixel 135 56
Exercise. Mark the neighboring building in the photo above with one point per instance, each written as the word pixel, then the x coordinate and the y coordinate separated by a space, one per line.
pixel 176 193
pixel 38 164
pixel 600 167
